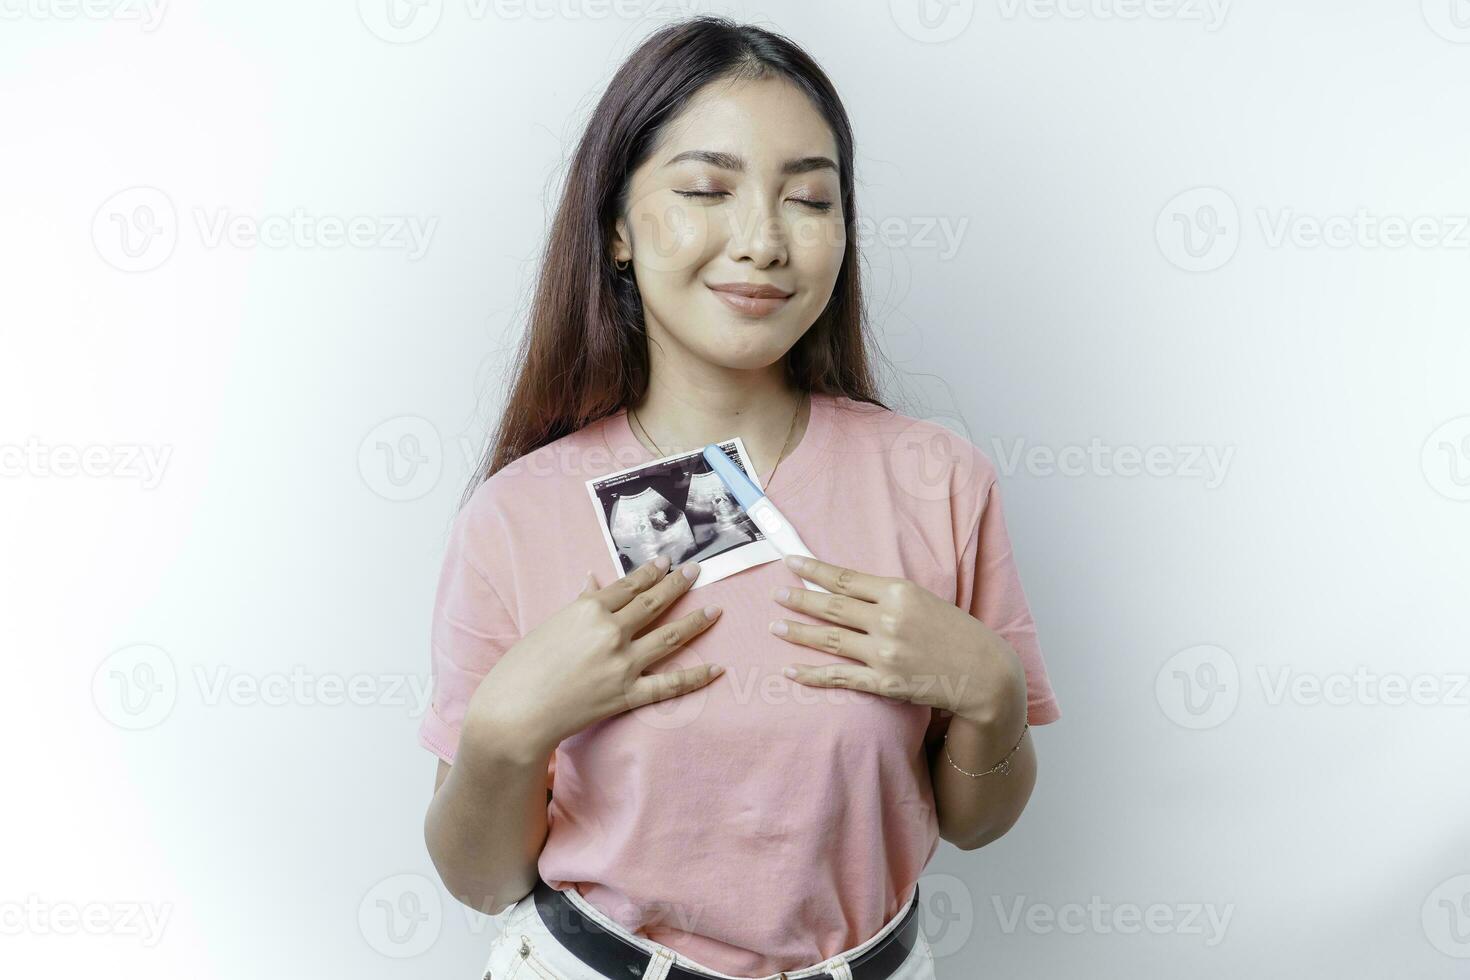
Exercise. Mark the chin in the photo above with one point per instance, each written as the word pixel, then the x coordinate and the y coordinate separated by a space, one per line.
pixel 743 358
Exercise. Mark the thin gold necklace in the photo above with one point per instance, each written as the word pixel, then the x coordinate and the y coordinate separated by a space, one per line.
pixel 796 415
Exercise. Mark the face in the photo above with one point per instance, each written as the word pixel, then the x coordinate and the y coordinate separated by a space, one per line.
pixel 742 191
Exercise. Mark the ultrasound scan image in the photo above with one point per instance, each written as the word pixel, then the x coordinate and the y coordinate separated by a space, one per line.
pixel 646 525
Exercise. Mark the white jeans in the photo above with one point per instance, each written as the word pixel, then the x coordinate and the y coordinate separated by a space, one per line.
pixel 526 949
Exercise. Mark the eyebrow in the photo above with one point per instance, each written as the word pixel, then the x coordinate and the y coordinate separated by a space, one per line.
pixel 731 161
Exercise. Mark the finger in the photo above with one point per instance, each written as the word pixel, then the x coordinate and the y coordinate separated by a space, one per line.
pixel 835 578
pixel 589 584
pixel 617 595
pixel 664 639
pixel 837 640
pixel 833 607
pixel 671 683
pixel 850 676
pixel 649 604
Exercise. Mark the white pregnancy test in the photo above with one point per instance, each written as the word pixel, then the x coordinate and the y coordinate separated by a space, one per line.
pixel 776 528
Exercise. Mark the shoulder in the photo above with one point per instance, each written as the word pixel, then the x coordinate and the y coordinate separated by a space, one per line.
pixel 544 480
pixel 931 456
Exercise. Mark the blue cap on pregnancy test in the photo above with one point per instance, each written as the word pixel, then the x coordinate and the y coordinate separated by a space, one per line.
pixel 747 493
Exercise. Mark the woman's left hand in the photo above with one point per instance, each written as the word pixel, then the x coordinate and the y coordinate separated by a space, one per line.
pixel 909 643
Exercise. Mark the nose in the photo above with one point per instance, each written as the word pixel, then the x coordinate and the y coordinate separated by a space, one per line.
pixel 758 234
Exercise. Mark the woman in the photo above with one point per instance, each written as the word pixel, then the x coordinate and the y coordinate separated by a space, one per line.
pixel 707 814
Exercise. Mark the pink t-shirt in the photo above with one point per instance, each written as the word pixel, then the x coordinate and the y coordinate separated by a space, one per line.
pixel 756 825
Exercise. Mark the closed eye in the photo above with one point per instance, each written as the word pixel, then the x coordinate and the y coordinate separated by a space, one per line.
pixel 814 205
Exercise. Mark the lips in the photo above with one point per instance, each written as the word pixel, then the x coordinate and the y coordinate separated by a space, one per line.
pixel 750 289
pixel 752 299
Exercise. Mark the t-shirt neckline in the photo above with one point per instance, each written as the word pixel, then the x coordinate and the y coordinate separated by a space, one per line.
pixel 791 472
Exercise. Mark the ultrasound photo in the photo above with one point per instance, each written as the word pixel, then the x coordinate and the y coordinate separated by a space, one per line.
pixel 677 506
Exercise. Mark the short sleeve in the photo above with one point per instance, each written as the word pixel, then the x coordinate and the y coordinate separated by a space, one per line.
pixel 472 624
pixel 989 588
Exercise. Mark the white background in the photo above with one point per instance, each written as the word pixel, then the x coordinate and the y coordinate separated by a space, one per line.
pixel 272 826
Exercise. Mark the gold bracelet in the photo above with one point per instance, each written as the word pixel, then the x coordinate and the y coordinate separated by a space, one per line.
pixel 1003 766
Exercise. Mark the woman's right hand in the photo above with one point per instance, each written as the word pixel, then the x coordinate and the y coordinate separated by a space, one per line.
pixel 584 664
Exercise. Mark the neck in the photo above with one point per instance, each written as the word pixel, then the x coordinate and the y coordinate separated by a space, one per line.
pixel 687 410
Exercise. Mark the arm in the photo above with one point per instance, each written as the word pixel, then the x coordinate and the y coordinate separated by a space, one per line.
pixel 487 821
pixel 974 811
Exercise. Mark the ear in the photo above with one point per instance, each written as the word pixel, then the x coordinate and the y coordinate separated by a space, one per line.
pixel 620 248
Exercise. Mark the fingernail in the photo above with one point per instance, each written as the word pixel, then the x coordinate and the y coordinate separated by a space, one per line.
pixel 710 612
pixel 796 563
pixel 715 670
pixel 691 570
pixel 778 626
pixel 789 671
pixel 662 561
pixel 781 592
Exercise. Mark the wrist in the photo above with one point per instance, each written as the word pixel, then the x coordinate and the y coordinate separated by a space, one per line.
pixel 493 734
pixel 978 744
pixel 1000 703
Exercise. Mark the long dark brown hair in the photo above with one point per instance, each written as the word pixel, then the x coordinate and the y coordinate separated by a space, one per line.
pixel 585 353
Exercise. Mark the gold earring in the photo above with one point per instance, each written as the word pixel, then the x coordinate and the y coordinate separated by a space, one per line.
pixel 623 265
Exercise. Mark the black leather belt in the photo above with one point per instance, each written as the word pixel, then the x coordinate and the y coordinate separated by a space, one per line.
pixel 613 956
